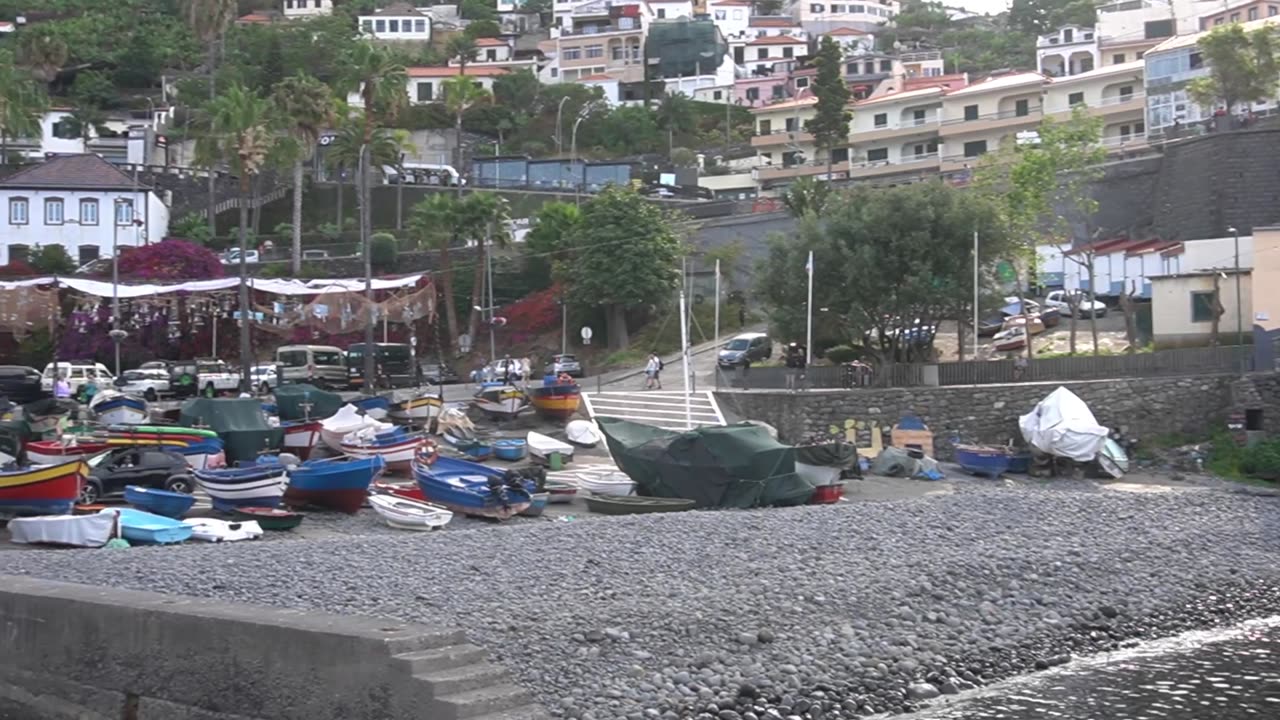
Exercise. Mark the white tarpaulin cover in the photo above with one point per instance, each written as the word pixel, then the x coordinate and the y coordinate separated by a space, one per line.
pixel 89 531
pixel 270 285
pixel 1061 424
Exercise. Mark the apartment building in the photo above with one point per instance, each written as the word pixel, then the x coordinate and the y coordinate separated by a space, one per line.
pixel 851 40
pixel 1069 50
pixel 784 150
pixel 820 17
pixel 399 22
pixel 896 135
pixel 1246 11
pixel 978 118
pixel 301 9
pixel 671 9
pixel 598 38
pixel 732 17
pixel 424 83
pixel 1114 93
pixel 1128 28
pixel 763 53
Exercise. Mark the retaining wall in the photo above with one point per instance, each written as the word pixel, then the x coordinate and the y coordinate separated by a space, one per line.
pixel 1195 407
pixel 74 652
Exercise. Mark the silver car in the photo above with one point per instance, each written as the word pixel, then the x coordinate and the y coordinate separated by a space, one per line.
pixel 567 364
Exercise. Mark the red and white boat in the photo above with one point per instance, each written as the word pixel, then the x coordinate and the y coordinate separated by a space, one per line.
pixel 53 452
pixel 396 448
pixel 301 437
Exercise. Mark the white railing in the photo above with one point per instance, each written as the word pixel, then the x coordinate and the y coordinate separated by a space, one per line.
pixel 1104 103
pixel 907 124
pixel 904 160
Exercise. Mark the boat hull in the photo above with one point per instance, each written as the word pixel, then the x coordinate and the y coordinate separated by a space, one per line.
pixel 463 488
pixel 120 410
pixel 637 505
pixel 397 457
pixel 417 410
pixel 333 484
pixel 542 446
pixel 49 490
pixel 503 401
pixel 269 518
pixel 984 461
pixel 159 502
pixel 556 402
pixel 89 531
pixel 613 484
pixel 230 489
pixel 52 452
pixel 144 528
pixel 301 438
pixel 406 514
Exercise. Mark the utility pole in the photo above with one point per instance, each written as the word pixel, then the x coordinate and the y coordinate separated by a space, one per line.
pixel 975 294
pixel 1239 309
pixel 370 369
pixel 488 273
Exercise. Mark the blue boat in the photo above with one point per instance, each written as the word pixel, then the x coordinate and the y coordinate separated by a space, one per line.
pixel 340 484
pixel 374 404
pixel 231 488
pixel 984 460
pixel 144 528
pixel 472 489
pixel 510 449
pixel 160 502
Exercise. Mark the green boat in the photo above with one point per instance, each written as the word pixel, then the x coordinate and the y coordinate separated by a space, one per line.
pixel 269 518
pixel 634 505
pixel 163 430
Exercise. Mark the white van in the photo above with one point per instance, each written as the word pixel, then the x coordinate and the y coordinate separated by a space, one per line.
pixel 320 365
pixel 77 372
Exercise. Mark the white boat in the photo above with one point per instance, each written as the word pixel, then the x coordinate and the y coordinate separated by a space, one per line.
pixel 231 491
pixel 397 452
pixel 347 420
pixel 541 446
pixel 90 531
pixel 206 461
pixel 409 514
pixel 117 408
pixel 614 483
pixel 419 409
pixel 215 530
pixel 507 400
pixel 456 428
pixel 583 433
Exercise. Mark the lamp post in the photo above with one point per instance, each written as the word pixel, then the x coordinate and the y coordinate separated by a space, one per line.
pixel 559 131
pixel 573 152
pixel 117 335
pixel 1235 234
pixel 370 371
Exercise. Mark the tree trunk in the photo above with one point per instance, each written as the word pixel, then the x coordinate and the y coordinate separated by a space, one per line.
pixel 450 303
pixel 1217 313
pixel 339 179
pixel 477 290
pixel 1130 322
pixel 1093 314
pixel 296 253
pixel 400 199
pixel 213 180
pixel 246 349
pixel 256 204
pixel 960 338
pixel 619 339
pixel 1073 310
pixel 457 137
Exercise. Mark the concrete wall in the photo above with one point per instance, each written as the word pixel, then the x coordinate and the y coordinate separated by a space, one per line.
pixel 74 652
pixel 1171 309
pixel 1144 408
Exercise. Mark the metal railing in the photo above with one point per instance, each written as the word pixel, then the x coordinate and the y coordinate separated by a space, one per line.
pixel 1032 114
pixel 904 124
pixel 903 160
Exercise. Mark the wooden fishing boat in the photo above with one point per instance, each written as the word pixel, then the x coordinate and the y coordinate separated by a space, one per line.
pixel 89 531
pixel 117 408
pixel 500 399
pixel 347 420
pixel 985 460
pixel 376 407
pixel 269 518
pixel 582 433
pixel 207 454
pixel 633 505
pixel 232 488
pixel 340 484
pixel 42 490
pixel 69 447
pixel 457 429
pixel 406 514
pixel 418 410
pixel 44 416
pixel 560 493
pixel 216 531
pixel 395 447
pixel 537 505
pixel 614 484
pixel 410 492
pixel 542 446
pixel 159 502
pixel 510 449
pixel 301 436
pixel 144 528
pixel 479 453
pixel 472 489
pixel 557 401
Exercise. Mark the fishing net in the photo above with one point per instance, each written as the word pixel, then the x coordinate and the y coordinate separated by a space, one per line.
pixel 25 309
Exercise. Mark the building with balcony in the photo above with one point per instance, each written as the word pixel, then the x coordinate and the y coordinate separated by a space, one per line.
pixel 851 40
pixel 400 22
pixel 671 9
pixel 1069 50
pixel 784 150
pixel 424 83
pixel 1114 93
pixel 896 134
pixel 762 25
pixel 1128 28
pixel 763 90
pixel 762 53
pixel 598 38
pixel 301 9
pixel 978 118
pixel 1246 11
pixel 821 17
pixel 732 17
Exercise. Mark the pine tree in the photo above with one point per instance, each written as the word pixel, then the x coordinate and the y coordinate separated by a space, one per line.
pixel 830 123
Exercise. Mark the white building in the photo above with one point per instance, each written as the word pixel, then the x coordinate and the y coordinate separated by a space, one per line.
pixel 763 52
pixel 1069 50
pixel 732 17
pixel 424 83
pixel 81 202
pixel 514 16
pixel 852 40
pixel 1128 28
pixel 120 138
pixel 820 17
pixel 297 9
pixel 671 9
pixel 398 22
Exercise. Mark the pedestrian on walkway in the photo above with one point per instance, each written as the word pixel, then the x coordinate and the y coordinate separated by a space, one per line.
pixel 795 362
pixel 651 370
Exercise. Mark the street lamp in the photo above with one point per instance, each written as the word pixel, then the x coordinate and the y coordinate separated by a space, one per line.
pixel 367 243
pixel 573 149
pixel 117 335
pixel 559 131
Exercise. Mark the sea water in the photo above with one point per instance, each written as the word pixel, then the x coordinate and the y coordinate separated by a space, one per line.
pixel 1206 675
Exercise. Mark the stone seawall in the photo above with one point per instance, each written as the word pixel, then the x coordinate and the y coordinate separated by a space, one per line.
pixel 75 652
pixel 1144 408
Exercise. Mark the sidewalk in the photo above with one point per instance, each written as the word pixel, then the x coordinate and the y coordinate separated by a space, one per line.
pixel 671 361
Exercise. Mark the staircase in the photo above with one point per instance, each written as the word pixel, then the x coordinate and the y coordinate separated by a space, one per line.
pixel 664 409
pixel 464 685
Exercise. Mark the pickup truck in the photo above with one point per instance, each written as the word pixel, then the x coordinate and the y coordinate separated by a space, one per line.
pixel 215 376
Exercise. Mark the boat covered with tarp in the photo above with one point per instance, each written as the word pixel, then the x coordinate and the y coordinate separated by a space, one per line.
pixel 733 466
pixel 238 421
pixel 302 401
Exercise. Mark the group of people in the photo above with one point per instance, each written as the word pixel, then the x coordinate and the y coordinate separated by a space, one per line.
pixel 62 389
pixel 653 372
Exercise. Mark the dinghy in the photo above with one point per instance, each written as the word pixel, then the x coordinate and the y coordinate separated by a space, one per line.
pixel 255 486
pixel 472 489
pixel 347 420
pixel 560 493
pixel 69 447
pixel 301 436
pixel 159 502
pixel 538 504
pixel 457 429
pixel 340 484
pixel 144 528
pixel 500 400
pixel 583 433
pixel 606 505
pixel 88 531
pixel 206 454
pixel 614 483
pixel 510 449
pixel 44 416
pixel 408 514
pixel 269 518
pixel 396 447
pixel 419 410
pixel 215 530
pixel 117 408
pixel 41 490
pixel 542 446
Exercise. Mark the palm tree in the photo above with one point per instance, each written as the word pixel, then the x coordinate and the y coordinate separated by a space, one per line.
pixel 22 102
pixel 461 47
pixel 42 53
pixel 461 94
pixel 675 113
pixel 434 222
pixel 240 129
pixel 483 217
pixel 209 20
pixel 307 105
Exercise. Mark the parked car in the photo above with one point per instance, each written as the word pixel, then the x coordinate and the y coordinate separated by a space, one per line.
pixel 397 364
pixel 20 384
pixel 232 257
pixel 745 348
pixel 438 374
pixel 264 378
pixel 567 364
pixel 505 368
pixel 150 383
pixel 149 467
pixel 214 376
pixel 315 254
pixel 320 365
pixel 1061 299
pixel 77 372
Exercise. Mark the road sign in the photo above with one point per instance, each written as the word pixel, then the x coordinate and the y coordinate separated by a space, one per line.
pixel 464 343
pixel 586 335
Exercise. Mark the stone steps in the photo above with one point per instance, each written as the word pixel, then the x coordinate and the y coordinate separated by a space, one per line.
pixel 442 658
pixel 484 702
pixel 465 678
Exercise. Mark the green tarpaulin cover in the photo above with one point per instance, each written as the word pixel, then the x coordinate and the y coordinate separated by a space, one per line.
pixel 289 400
pixel 735 466
pixel 238 421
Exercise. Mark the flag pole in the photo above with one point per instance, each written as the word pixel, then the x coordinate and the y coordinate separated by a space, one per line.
pixel 808 335
pixel 975 294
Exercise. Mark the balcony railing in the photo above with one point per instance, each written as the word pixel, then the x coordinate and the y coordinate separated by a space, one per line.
pixel 920 56
pixel 1106 102
pixel 929 121
pixel 1031 114
pixel 596 30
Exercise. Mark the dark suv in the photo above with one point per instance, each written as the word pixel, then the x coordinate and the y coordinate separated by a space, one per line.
pixel 20 384
pixel 150 467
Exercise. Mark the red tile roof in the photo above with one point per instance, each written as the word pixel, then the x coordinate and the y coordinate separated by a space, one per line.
pixel 491 42
pixel 846 31
pixel 445 72
pixel 596 78
pixel 773 21
pixel 257 18
pixel 778 40
pixel 950 82
pixel 72 172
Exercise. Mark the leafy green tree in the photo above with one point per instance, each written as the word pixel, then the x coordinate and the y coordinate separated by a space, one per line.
pixel 22 102
pixel 42 52
pixel 517 90
pixel 482 29
pixel 240 131
pixel 982 49
pixel 766 7
pixel 52 260
pixel 461 93
pixel 675 114
pixel 806 197
pixel 623 254
pixel 927 16
pixel 209 20
pixel 443 222
pixel 478 10
pixel 1242 67
pixel 484 217
pixel 306 106
pixel 382 251
pixel 1038 17
pixel 830 122
pixel 548 240
pixel 94 88
pixel 626 130
pixel 462 48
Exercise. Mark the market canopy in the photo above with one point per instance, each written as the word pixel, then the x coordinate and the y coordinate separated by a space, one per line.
pixel 268 285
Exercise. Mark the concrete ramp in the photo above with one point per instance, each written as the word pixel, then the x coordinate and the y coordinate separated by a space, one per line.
pixel 670 410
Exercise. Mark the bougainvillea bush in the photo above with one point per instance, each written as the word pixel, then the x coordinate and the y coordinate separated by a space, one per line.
pixel 532 315
pixel 170 259
pixel 16 269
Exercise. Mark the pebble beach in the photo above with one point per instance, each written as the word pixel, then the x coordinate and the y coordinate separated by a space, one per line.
pixel 850 610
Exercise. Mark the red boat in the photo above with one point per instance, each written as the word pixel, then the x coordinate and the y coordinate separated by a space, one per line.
pixel 47 490
pixel 53 452
pixel 558 401
pixel 409 492
pixel 300 437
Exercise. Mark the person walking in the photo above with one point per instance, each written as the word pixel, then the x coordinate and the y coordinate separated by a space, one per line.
pixel 651 369
pixel 62 388
pixel 795 362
